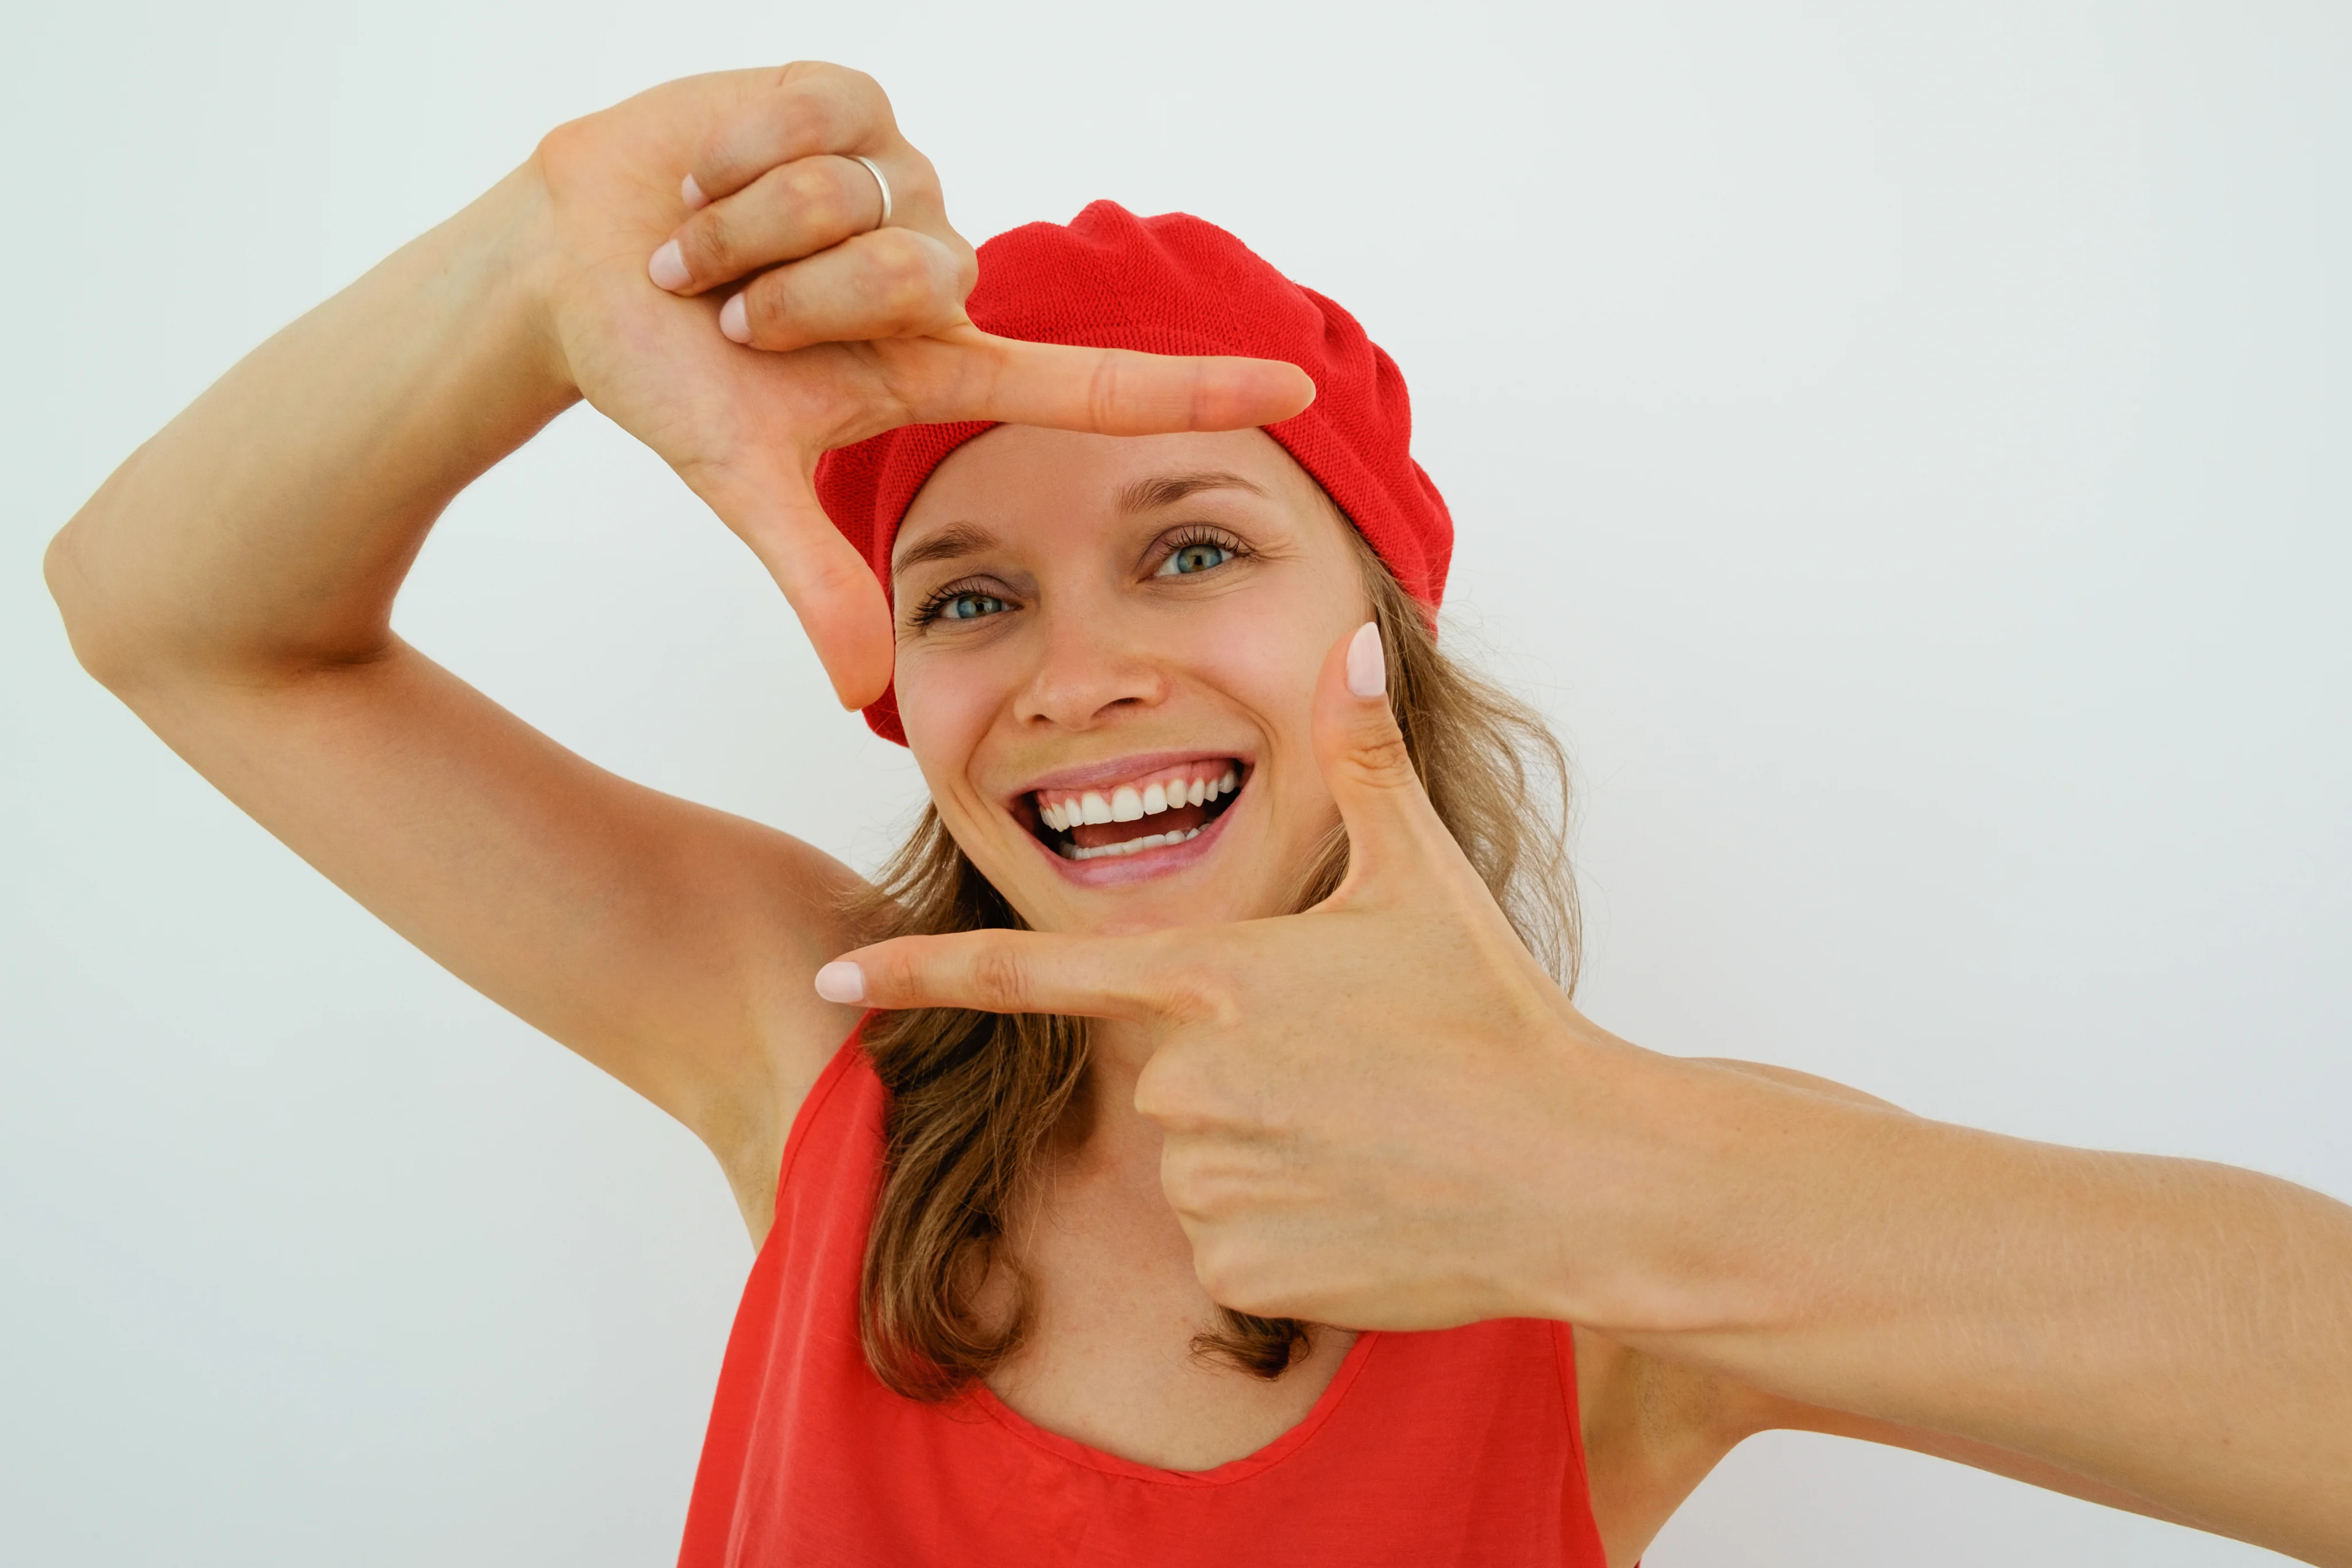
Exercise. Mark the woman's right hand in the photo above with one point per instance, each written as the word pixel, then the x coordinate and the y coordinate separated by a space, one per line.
pixel 235 579
pixel 846 328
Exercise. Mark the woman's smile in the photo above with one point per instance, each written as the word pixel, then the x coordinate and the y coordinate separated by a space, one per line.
pixel 1133 818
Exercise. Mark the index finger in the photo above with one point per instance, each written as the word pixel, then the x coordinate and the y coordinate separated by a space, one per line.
pixel 1010 972
pixel 814 107
pixel 966 373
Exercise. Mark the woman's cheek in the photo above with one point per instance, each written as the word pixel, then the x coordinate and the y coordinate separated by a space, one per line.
pixel 945 707
pixel 1269 663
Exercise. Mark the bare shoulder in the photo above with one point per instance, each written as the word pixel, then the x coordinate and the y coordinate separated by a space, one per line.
pixel 793 907
pixel 1789 1077
pixel 1653 1429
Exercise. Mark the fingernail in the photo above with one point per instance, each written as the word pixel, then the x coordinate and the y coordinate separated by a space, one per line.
pixel 735 320
pixel 1368 670
pixel 669 266
pixel 695 199
pixel 841 981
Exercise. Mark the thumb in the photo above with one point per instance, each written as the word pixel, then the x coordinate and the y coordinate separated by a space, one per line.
pixel 830 587
pixel 1361 751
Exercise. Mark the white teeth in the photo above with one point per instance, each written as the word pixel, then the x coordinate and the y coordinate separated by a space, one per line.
pixel 1131 846
pixel 1130 802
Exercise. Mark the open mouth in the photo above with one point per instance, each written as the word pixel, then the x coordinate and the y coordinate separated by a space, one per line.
pixel 1165 806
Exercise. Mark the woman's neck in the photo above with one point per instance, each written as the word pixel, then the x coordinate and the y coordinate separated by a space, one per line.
pixel 1104 1137
pixel 1111 1140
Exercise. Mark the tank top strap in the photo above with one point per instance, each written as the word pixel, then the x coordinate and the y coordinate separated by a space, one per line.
pixel 839 1119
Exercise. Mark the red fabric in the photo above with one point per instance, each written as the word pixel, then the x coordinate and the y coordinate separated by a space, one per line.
pixel 1174 285
pixel 1460 1446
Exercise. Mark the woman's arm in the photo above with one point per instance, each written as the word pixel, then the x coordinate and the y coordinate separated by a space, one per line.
pixel 2174 1335
pixel 1655 1429
pixel 234 581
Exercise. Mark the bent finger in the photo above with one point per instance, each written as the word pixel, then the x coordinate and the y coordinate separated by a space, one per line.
pixel 815 107
pixel 1113 392
pixel 889 283
pixel 1007 972
pixel 788 213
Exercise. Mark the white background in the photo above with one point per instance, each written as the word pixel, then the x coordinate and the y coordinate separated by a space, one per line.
pixel 1902 444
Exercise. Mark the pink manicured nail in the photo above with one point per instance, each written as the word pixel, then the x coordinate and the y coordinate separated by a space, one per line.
pixel 841 981
pixel 669 266
pixel 1368 672
pixel 735 320
pixel 695 199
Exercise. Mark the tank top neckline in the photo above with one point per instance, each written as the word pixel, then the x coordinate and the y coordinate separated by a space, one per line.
pixel 980 1397
pixel 985 1399
pixel 1453 1446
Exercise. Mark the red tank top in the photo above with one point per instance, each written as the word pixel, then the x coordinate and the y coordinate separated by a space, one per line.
pixel 1457 1446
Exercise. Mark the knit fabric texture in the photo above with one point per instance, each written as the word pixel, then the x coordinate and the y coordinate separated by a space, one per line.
pixel 1174 285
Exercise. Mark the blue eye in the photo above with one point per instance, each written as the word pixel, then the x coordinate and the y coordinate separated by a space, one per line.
pixel 1199 556
pixel 971 607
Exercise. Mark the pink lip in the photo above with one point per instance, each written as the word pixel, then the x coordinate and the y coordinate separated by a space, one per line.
pixel 1120 870
pixel 1123 769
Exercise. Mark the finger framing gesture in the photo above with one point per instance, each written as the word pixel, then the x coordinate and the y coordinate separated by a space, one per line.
pixel 1339 1145
pixel 745 308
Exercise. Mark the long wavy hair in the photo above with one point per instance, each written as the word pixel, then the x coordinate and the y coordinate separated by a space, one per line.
pixel 977 1100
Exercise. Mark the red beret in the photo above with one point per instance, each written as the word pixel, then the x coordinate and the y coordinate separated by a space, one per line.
pixel 1174 285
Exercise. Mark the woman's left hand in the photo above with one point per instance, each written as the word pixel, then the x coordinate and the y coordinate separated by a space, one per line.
pixel 1382 1113
pixel 1365 1105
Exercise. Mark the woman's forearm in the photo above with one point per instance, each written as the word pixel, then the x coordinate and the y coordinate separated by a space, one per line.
pixel 2178 1329
pixel 269 525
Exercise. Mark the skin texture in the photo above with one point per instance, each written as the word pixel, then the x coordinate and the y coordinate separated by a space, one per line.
pixel 1740 1247
pixel 1101 654
pixel 1096 655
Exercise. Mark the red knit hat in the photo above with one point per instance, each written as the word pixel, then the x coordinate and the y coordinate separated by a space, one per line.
pixel 1172 284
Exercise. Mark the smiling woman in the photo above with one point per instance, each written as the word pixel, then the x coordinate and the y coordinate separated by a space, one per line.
pixel 1197 1157
pixel 1134 600
pixel 1143 581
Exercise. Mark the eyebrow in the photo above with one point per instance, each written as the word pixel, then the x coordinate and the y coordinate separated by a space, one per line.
pixel 951 543
pixel 1166 489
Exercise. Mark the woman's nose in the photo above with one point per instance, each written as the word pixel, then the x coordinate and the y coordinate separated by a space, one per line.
pixel 1087 670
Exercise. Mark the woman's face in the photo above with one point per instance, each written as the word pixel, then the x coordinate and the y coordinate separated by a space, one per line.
pixel 1108 651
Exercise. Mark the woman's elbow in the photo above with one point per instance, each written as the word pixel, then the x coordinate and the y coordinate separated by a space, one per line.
pixel 96 633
